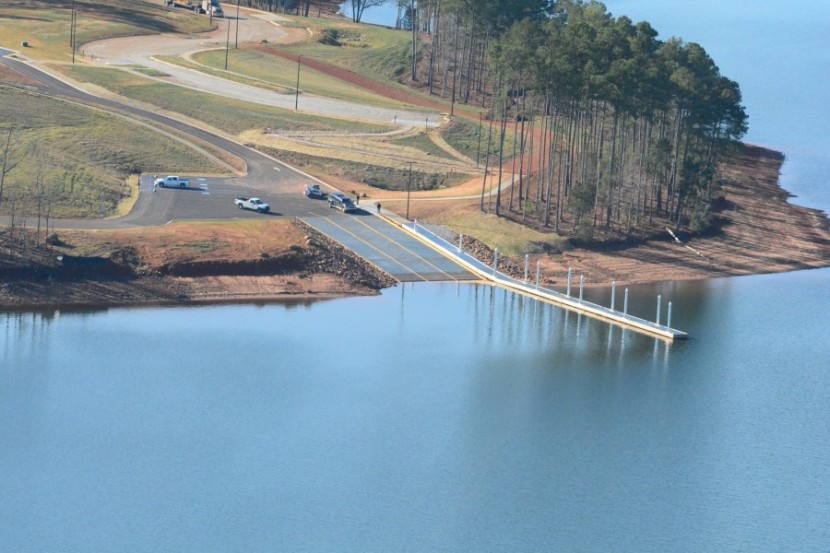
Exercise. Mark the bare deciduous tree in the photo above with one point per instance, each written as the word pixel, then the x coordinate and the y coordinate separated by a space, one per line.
pixel 358 6
pixel 7 165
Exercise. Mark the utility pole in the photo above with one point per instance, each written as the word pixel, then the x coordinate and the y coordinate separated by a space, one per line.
pixel 297 93
pixel 72 21
pixel 72 26
pixel 236 44
pixel 227 43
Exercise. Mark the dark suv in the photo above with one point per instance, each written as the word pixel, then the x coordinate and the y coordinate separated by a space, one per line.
pixel 341 202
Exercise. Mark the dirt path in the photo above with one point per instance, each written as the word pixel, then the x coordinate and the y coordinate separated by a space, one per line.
pixel 389 91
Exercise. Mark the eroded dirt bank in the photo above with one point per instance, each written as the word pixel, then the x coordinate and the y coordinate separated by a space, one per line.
pixel 758 232
pixel 277 261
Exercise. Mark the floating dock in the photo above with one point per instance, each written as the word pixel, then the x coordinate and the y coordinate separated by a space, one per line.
pixel 566 301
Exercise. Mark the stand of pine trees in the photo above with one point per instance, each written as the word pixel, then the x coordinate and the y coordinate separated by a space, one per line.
pixel 616 130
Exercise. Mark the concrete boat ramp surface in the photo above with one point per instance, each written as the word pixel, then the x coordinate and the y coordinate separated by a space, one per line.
pixel 388 247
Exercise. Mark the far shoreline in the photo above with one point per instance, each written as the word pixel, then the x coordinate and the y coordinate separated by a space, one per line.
pixel 759 232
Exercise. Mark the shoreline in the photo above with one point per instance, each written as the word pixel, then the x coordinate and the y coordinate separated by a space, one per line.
pixel 758 232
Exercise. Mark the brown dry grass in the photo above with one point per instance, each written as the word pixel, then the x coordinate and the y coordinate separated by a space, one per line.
pixel 186 242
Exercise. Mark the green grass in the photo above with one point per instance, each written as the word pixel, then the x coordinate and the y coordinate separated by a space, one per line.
pixel 422 142
pixel 234 116
pixel 263 69
pixel 46 25
pixel 385 178
pixel 150 72
pixel 375 52
pixel 229 75
pixel 510 238
pixel 463 135
pixel 81 157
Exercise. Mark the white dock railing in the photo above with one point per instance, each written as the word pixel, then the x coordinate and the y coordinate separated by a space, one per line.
pixel 566 300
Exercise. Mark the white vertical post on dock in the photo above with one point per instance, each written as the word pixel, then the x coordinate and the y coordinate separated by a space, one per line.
pixel 527 260
pixel 415 225
pixel 668 317
pixel 613 293
pixel 538 270
pixel 625 302
pixel 460 243
pixel 495 261
pixel 568 290
pixel 581 286
pixel 659 302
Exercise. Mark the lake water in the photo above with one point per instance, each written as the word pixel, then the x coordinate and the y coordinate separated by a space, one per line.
pixel 443 417
pixel 431 418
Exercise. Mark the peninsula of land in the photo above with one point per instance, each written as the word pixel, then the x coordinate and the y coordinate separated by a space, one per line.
pixel 751 227
pixel 759 231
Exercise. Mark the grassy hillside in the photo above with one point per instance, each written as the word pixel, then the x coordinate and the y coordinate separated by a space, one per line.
pixel 77 159
pixel 266 70
pixel 230 115
pixel 80 159
pixel 374 52
pixel 46 25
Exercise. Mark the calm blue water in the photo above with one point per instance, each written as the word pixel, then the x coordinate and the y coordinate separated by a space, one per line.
pixel 780 55
pixel 443 417
pixel 450 418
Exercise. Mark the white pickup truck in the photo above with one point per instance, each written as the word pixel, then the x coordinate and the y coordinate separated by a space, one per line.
pixel 172 181
pixel 254 204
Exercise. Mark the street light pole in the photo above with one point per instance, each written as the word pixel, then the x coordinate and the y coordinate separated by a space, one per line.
pixel 297 92
pixel 408 189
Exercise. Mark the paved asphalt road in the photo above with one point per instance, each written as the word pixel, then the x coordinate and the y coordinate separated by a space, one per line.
pixel 276 183
pixel 386 246
pixel 281 186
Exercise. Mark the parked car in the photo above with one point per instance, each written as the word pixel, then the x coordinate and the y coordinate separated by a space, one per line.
pixel 254 204
pixel 172 181
pixel 313 191
pixel 341 202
